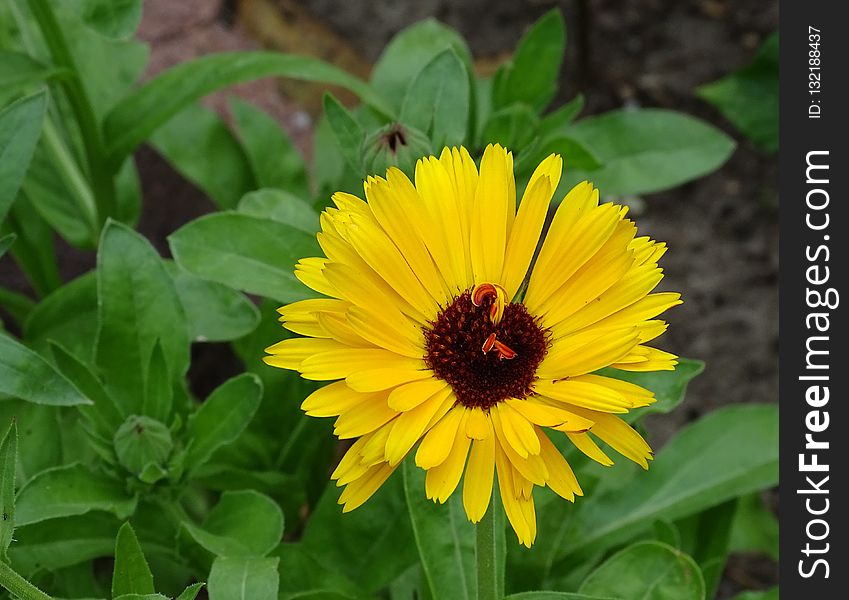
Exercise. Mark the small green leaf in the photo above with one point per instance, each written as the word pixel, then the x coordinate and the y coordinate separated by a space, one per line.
pixel 158 393
pixel 222 417
pixel 532 76
pixel 140 597
pixel 243 523
pixel 275 161
pixel 349 134
pixel 142 441
pixel 513 127
pixel 191 592
pixel 138 307
pixel 39 436
pixel 143 111
pixel 5 242
pixel 303 578
pixel 574 153
pixel 26 375
pixel 253 255
pixel 34 250
pixel 647 150
pixel 8 460
pixel 552 596
pixel 445 539
pixel 749 97
pixel 282 207
pixel 705 537
pixel 20 128
pixel 669 387
pixel 755 527
pixel 647 571
pixel 563 116
pixel 199 145
pixel 437 100
pixel 408 53
pixel 16 304
pixel 17 71
pixel 215 312
pixel 70 490
pixel 243 579
pixel 131 575
pixel 112 18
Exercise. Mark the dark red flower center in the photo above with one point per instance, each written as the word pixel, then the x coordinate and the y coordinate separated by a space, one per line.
pixel 486 355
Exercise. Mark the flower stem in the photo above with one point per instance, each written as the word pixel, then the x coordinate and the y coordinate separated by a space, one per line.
pixel 486 557
pixel 18 586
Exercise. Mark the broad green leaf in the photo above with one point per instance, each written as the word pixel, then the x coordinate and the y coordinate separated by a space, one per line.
pixel 437 100
pixel 143 111
pixel 755 527
pixel 371 545
pixel 8 463
pixel 17 71
pixel 245 253
pixel 142 441
pixel 222 417
pixel 552 596
pixel 58 543
pixel 198 144
pixel 274 160
pixel 647 150
pixel 770 594
pixel 408 53
pixel 532 76
pixel 647 571
pixel 512 127
pixel 34 250
pixel 348 132
pixel 67 316
pixel 445 539
pixel 730 452
pixel 282 207
pixel 302 577
pixel 669 387
pixel 20 128
pixel 749 97
pixel 131 575
pixel 243 523
pixel 215 312
pixel 39 436
pixel 243 578
pixel 138 308
pixel 70 490
pixel 26 375
pixel 112 18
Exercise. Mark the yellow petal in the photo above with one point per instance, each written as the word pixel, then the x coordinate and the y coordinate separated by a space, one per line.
pixel 518 430
pixel 388 329
pixel 477 424
pixel 585 444
pixel 531 466
pixel 409 427
pixel 342 362
pixel 586 393
pixel 360 490
pixel 309 272
pixel 620 436
pixel 566 360
pixel 289 354
pixel 364 418
pixel 477 484
pixel 437 443
pixel 385 378
pixel 525 531
pixel 488 237
pixel 410 395
pixel 332 400
pixel 561 480
pixel 442 480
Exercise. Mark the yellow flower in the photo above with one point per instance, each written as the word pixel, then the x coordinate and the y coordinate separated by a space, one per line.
pixel 431 341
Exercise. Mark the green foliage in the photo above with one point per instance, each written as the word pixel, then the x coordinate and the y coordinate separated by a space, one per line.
pixel 113 451
pixel 749 97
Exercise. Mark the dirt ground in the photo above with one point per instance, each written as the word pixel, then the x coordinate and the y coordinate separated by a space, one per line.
pixel 722 230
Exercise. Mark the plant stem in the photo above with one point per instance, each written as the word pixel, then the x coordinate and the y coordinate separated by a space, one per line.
pixel 18 586
pixel 485 557
pixel 101 177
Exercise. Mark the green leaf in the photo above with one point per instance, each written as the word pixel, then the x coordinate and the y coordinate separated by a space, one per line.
pixel 131 575
pixel 274 160
pixel 749 97
pixel 198 144
pixel 730 452
pixel 437 100
pixel 26 375
pixel 253 255
pixel 158 393
pixel 348 133
pixel 705 537
pixel 532 76
pixel 669 387
pixel 112 18
pixel 552 596
pixel 70 490
pixel 770 594
pixel 20 128
pixel 215 312
pixel 34 249
pixel 445 539
pixel 8 461
pixel 647 571
pixel 67 316
pixel 16 304
pixel 222 417
pixel 647 150
pixel 191 592
pixel 575 154
pixel 282 207
pixel 143 111
pixel 5 242
pixel 556 120
pixel 17 71
pixel 303 578
pixel 243 578
pixel 39 436
pixel 243 523
pixel 142 441
pixel 58 543
pixel 408 53
pixel 512 127
pixel 153 596
pixel 755 527
pixel 138 308
pixel 371 545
